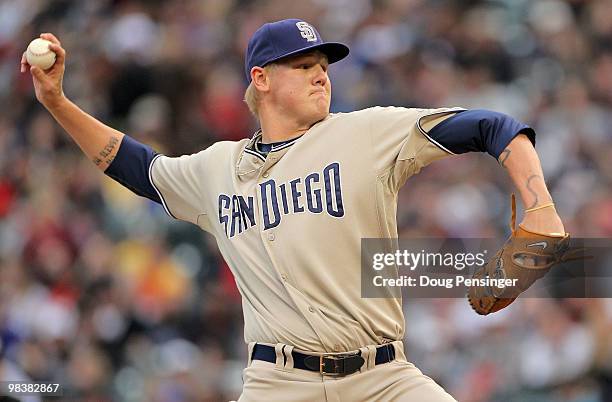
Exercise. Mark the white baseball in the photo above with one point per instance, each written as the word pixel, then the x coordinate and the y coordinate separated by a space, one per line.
pixel 39 54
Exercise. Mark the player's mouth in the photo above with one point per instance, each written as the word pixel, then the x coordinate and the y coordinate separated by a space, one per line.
pixel 319 92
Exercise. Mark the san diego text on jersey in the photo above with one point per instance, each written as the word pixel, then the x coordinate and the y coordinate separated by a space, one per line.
pixel 316 192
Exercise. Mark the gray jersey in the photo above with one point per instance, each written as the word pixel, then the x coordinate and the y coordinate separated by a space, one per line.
pixel 290 224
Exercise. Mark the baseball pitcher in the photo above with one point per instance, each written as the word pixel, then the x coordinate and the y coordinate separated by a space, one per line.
pixel 290 205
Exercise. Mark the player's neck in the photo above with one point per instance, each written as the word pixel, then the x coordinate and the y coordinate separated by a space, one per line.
pixel 277 127
pixel 278 131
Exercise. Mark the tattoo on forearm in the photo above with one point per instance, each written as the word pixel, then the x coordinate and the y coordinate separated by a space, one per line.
pixel 110 159
pixel 535 195
pixel 503 157
pixel 105 154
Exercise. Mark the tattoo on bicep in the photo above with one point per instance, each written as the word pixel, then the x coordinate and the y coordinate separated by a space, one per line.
pixel 535 195
pixel 105 154
pixel 503 157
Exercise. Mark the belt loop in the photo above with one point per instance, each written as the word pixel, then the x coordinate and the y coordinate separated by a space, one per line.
pixel 365 353
pixel 371 360
pixel 288 351
pixel 250 348
pixel 280 357
pixel 399 351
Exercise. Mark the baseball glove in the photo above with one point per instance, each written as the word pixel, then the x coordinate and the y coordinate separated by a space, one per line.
pixel 526 256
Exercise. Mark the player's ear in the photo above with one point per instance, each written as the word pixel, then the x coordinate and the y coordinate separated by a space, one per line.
pixel 260 78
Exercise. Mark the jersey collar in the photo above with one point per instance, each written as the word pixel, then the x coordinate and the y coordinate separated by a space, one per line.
pixel 275 146
pixel 251 159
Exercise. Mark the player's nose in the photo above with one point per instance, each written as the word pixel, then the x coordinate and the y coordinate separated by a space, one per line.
pixel 321 76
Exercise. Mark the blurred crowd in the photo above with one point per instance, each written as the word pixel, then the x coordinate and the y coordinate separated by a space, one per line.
pixel 103 293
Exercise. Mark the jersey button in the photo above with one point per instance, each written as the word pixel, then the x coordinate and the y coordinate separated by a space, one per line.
pixel 271 236
pixel 311 309
pixel 284 277
pixel 265 175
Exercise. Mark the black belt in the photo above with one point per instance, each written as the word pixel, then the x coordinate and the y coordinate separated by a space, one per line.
pixel 330 364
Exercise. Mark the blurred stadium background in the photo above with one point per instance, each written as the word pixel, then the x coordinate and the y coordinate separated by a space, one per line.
pixel 102 292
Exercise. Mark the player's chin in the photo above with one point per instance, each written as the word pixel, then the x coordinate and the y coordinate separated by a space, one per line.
pixel 321 107
pixel 320 114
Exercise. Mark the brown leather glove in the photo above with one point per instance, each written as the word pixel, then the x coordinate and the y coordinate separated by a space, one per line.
pixel 526 256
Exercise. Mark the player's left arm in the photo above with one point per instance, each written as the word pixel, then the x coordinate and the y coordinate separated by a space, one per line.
pixel 523 165
pixel 512 143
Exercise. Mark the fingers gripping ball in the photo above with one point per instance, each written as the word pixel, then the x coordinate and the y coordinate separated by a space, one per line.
pixel 38 54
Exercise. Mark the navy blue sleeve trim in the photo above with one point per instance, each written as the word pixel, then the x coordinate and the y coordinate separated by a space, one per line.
pixel 479 130
pixel 130 168
pixel 161 197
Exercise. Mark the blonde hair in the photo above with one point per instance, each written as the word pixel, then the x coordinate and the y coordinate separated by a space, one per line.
pixel 252 95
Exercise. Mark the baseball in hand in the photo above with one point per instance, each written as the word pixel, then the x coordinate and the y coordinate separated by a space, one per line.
pixel 39 54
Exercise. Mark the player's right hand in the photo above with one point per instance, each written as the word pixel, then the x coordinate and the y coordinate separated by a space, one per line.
pixel 48 84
